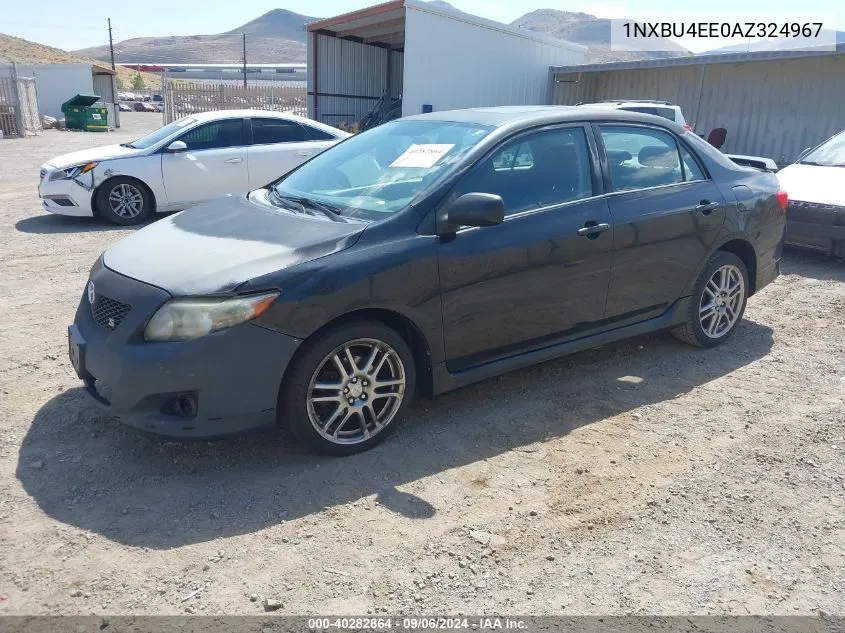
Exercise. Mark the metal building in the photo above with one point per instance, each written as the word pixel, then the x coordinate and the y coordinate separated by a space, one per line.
pixel 430 56
pixel 772 104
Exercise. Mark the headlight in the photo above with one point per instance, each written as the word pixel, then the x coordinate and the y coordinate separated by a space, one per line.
pixel 184 319
pixel 72 172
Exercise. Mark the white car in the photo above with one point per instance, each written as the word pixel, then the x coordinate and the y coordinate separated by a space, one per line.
pixel 197 158
pixel 645 106
pixel 815 217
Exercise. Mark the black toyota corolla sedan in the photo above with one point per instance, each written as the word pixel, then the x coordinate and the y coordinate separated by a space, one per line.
pixel 423 255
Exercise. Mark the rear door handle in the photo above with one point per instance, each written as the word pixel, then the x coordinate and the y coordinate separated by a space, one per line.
pixel 706 207
pixel 234 161
pixel 591 229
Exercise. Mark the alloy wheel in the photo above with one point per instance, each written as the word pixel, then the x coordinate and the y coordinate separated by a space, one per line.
pixel 356 391
pixel 126 201
pixel 721 301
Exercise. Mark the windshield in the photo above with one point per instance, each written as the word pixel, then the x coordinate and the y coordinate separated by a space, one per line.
pixel 160 134
pixel 831 153
pixel 381 171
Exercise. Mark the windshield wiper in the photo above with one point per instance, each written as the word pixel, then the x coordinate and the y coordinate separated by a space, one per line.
pixel 812 162
pixel 129 145
pixel 300 204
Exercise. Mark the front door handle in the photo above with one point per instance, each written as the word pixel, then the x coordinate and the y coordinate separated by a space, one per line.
pixel 592 229
pixel 304 153
pixel 706 207
pixel 234 161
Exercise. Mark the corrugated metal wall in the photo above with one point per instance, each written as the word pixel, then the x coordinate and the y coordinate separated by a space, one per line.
pixel 397 73
pixel 104 87
pixel 769 108
pixel 348 77
pixel 450 63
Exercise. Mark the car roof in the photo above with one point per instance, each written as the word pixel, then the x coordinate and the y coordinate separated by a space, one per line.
pixel 271 114
pixel 517 117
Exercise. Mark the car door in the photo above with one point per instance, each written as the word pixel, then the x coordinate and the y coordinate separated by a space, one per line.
pixel 278 145
pixel 541 275
pixel 215 164
pixel 666 211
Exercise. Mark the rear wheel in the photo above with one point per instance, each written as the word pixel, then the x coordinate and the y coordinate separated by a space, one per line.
pixel 718 302
pixel 347 391
pixel 123 201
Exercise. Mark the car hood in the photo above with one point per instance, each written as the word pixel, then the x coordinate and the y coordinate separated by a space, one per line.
pixel 94 154
pixel 217 246
pixel 813 183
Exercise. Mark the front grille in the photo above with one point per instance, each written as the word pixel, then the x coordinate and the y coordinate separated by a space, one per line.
pixel 108 313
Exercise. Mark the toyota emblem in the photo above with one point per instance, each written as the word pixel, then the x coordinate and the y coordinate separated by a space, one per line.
pixel 91 294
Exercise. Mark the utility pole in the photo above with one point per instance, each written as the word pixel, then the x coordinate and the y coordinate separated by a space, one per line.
pixel 111 46
pixel 244 60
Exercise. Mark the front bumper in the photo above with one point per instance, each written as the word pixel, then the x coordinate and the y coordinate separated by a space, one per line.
pixel 233 376
pixel 65 197
pixel 813 225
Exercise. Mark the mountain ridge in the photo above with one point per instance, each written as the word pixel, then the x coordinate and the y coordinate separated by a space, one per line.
pixel 278 36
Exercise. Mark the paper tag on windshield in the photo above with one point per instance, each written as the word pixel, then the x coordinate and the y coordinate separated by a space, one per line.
pixel 423 156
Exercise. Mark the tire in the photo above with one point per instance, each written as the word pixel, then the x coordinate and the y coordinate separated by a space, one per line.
pixel 715 310
pixel 112 194
pixel 351 413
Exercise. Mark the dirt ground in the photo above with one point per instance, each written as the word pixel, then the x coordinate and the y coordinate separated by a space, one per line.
pixel 645 477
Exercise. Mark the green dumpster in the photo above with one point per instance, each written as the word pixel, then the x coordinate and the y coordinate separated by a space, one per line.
pixel 81 114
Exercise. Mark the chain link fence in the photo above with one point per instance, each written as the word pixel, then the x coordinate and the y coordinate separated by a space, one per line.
pixel 183 98
pixel 18 106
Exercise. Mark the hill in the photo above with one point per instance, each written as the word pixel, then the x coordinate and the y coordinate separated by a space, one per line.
pixel 279 36
pixel 275 37
pixel 21 51
pixel 592 32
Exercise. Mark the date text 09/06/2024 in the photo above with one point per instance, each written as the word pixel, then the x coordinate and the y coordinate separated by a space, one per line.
pixel 416 623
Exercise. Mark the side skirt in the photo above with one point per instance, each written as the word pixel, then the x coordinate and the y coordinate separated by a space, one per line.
pixel 445 381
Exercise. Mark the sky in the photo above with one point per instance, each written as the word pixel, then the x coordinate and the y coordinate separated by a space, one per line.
pixel 53 24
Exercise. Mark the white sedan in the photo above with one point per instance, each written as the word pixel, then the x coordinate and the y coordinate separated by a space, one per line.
pixel 194 159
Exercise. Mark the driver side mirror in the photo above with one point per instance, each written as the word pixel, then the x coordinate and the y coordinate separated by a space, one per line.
pixel 472 209
pixel 177 147
pixel 803 154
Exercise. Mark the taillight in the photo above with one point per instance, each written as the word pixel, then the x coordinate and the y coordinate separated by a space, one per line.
pixel 783 198
pixel 688 127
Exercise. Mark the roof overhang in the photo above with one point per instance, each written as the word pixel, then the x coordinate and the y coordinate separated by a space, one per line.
pixel 384 25
pixel 102 70
pixel 381 25
pixel 698 60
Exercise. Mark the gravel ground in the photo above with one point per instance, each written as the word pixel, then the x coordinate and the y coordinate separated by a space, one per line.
pixel 645 477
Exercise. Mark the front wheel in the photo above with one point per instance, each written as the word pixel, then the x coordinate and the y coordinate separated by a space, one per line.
pixel 123 201
pixel 348 389
pixel 718 302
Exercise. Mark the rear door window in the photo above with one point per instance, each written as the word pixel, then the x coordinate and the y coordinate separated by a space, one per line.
pixel 317 135
pixel 641 157
pixel 269 131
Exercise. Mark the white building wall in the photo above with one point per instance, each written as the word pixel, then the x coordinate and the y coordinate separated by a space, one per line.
pixel 56 83
pixel 451 62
